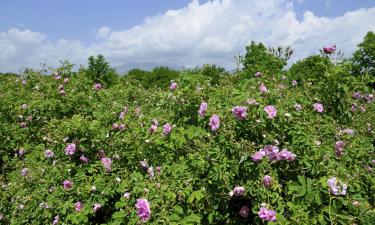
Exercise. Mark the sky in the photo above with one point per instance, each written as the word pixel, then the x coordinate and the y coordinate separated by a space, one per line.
pixel 173 33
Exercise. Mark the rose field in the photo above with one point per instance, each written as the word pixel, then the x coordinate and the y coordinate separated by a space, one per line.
pixel 264 144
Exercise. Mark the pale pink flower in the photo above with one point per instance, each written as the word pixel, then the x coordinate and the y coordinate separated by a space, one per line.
pixel 318 107
pixel 271 111
pixel 78 206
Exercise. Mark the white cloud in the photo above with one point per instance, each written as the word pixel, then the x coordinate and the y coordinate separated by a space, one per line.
pixel 212 32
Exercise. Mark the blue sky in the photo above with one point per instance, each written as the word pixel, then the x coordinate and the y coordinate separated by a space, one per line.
pixel 130 30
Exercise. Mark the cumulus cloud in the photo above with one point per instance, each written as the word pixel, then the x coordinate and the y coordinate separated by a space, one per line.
pixel 212 32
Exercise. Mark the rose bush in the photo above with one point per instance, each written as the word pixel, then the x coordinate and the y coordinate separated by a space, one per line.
pixel 203 153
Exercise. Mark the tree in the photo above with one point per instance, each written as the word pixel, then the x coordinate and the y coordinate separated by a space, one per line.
pixel 100 71
pixel 311 68
pixel 267 61
pixel 364 56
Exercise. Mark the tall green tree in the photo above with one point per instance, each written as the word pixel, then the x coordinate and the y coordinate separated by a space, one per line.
pixel 100 71
pixel 268 61
pixel 364 56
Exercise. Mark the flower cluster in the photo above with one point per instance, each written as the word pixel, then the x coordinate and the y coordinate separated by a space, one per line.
pixel 266 214
pixel 273 154
pixel 335 187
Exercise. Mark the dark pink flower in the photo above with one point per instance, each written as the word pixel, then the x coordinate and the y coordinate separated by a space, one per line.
pixel 258 74
pixel 84 159
pixel 107 163
pixel 97 207
pixel 244 212
pixel 266 214
pixel 167 128
pixel 70 149
pixel 267 181
pixel 143 209
pixel 239 112
pixel 67 184
pixel 339 148
pixel 214 122
pixel 329 50
pixel 98 86
pixel 257 156
pixel 153 129
pixel 78 206
pixel 202 109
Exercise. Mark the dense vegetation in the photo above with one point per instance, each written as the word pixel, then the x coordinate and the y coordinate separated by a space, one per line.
pixel 258 145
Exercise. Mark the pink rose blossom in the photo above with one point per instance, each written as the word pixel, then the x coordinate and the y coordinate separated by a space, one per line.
pixel 84 159
pixel 329 50
pixel 271 111
pixel 78 206
pixel 48 153
pixel 318 107
pixel 143 209
pixel 98 86
pixel 214 122
pixel 24 172
pixel 70 149
pixel 107 163
pixel 339 148
pixel 267 181
pixel 262 88
pixel 202 109
pixel 258 74
pixel 66 80
pixel 239 112
pixel 244 212
pixel 97 207
pixel 167 128
pixel 173 86
pixel 67 184
pixel 266 214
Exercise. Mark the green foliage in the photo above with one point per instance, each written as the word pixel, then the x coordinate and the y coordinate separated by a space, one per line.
pixel 312 68
pixel 267 61
pixel 364 56
pixel 158 77
pixel 99 71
